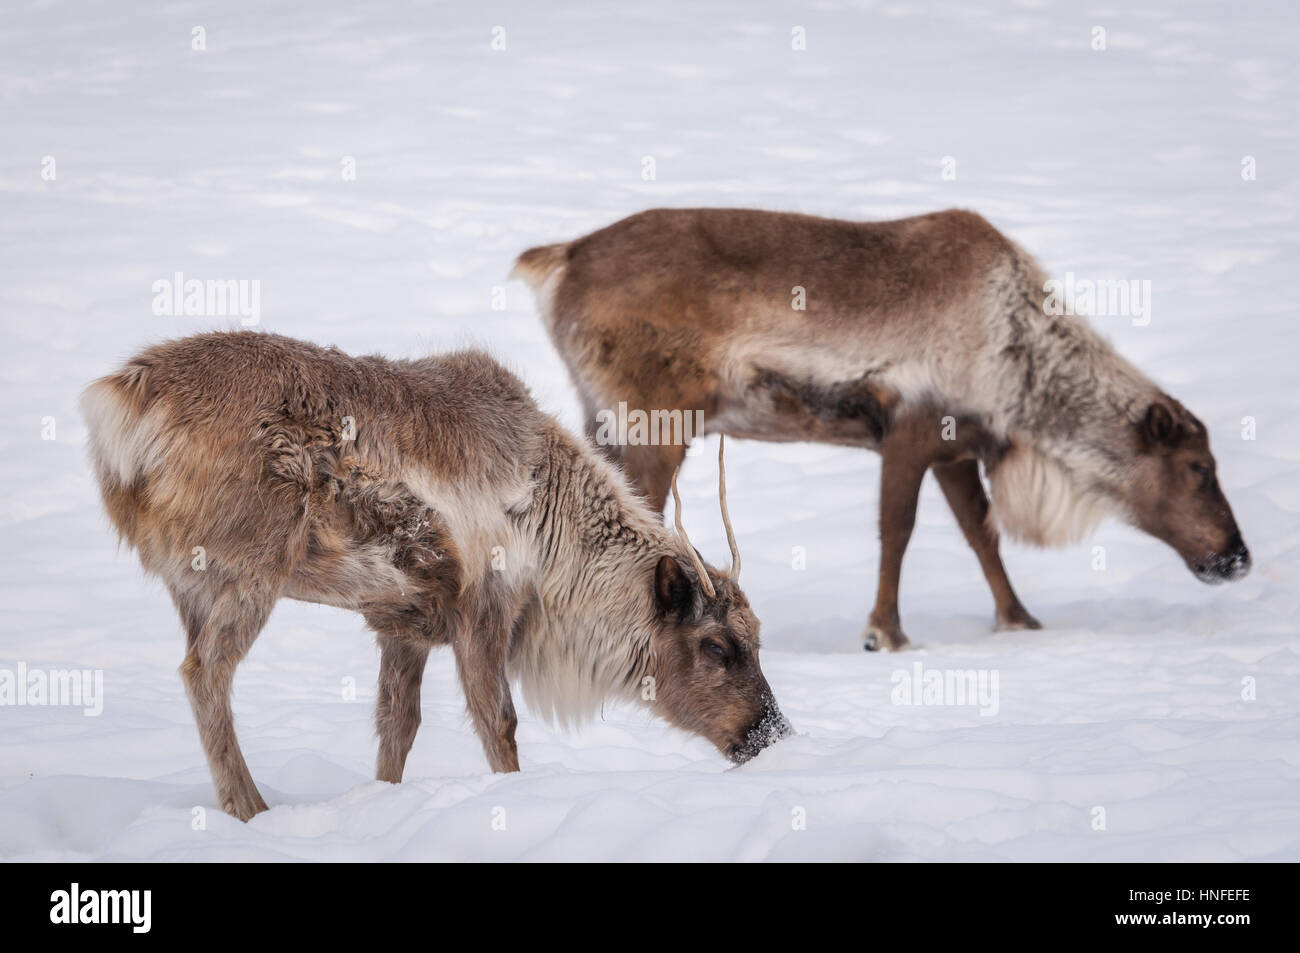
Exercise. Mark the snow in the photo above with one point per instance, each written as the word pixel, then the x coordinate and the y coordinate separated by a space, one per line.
pixel 1171 706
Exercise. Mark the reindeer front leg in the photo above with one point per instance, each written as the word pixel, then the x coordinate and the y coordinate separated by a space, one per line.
pixel 397 709
pixel 904 460
pixel 961 485
pixel 481 649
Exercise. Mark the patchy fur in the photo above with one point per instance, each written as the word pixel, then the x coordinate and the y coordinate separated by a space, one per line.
pixel 436 499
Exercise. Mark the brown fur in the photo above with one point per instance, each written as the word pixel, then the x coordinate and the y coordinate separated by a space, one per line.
pixel 436 499
pixel 908 324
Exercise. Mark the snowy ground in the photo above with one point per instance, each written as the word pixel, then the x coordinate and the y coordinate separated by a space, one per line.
pixel 1172 706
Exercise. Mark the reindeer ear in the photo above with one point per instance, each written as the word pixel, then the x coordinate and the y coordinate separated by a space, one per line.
pixel 673 592
pixel 1158 427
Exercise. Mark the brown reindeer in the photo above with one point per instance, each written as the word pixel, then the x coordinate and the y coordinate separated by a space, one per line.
pixel 436 499
pixel 925 339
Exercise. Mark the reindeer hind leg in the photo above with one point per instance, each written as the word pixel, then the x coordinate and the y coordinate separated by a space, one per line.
pixel 220 629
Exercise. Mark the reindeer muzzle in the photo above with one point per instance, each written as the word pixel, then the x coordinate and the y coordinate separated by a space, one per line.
pixel 770 728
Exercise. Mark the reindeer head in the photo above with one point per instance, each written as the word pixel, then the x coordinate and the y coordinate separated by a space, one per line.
pixel 708 680
pixel 1174 495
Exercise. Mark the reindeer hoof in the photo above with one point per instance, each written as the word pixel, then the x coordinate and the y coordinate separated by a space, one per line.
pixel 244 806
pixel 877 639
pixel 1016 619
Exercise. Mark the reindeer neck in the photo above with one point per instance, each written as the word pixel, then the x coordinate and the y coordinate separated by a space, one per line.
pixel 597 545
pixel 1076 398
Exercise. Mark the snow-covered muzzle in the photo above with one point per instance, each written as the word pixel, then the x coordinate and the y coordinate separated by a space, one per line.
pixel 1229 566
pixel 770 728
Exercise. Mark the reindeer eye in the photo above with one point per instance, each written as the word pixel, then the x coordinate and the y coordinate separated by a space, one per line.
pixel 1204 472
pixel 714 649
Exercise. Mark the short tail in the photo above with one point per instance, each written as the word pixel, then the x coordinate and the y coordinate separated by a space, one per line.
pixel 542 269
pixel 125 439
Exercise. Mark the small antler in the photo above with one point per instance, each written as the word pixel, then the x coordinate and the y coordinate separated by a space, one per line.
pixel 726 518
pixel 705 582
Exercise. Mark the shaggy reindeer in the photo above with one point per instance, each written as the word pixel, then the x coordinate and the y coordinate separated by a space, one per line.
pixel 925 339
pixel 436 499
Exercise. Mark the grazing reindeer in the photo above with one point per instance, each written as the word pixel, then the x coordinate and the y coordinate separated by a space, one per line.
pixel 436 499
pixel 925 339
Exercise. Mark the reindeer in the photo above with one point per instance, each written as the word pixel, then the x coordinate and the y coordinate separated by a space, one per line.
pixel 436 499
pixel 925 339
